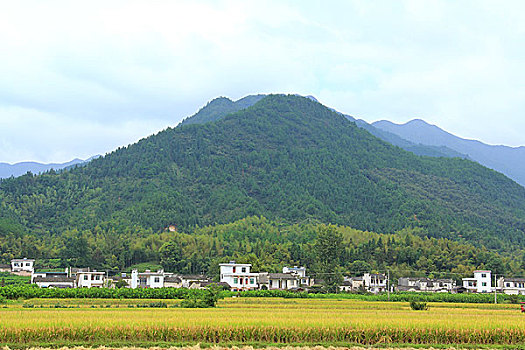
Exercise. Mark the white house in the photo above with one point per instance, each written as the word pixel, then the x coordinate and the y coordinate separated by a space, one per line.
pixel 283 281
pixel 480 283
pixel 23 265
pixel 238 276
pixel 90 279
pixel 353 284
pixel 147 279
pixel 511 285
pixel 53 279
pixel 300 272
pixel 375 283
pixel 423 284
pixel 189 280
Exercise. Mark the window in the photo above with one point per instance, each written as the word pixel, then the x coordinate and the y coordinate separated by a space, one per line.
pixel 270 283
pixel 233 269
pixel 85 277
pixel 507 284
pixel 244 269
pixel 28 264
pixel 235 280
pixel 252 281
pixel 97 277
pixel 157 279
pixel 484 284
pixel 483 275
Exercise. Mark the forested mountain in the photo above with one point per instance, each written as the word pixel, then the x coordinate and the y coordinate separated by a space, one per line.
pixel 222 106
pixel 507 160
pixel 287 158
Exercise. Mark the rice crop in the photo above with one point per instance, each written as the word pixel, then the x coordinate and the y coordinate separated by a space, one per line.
pixel 269 321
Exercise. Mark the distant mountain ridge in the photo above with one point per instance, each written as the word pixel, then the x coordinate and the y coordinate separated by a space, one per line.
pixel 220 107
pixel 507 160
pixel 7 170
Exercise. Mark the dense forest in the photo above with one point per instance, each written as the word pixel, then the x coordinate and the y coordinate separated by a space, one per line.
pixel 266 244
pixel 286 158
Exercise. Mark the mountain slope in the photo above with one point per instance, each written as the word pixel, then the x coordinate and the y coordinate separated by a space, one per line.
pixel 286 158
pixel 507 160
pixel 222 106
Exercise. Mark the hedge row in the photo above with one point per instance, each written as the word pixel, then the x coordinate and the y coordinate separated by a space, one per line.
pixel 31 291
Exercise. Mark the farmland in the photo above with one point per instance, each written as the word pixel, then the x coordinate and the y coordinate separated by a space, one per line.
pixel 257 321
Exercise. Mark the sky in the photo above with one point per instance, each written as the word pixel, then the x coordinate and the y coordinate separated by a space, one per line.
pixel 83 78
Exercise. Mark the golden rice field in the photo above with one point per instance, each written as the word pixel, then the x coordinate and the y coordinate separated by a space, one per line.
pixel 261 321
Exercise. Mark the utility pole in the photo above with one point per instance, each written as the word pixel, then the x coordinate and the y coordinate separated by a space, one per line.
pixel 388 283
pixel 495 289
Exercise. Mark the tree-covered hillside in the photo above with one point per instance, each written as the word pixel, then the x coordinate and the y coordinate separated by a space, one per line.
pixel 266 244
pixel 286 158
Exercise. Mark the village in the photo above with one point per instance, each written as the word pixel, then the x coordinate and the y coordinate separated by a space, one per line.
pixel 239 277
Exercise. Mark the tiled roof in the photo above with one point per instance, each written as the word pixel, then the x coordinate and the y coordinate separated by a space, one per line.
pixel 54 279
pixel 282 276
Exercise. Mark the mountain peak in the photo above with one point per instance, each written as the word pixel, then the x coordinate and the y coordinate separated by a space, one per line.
pixel 220 107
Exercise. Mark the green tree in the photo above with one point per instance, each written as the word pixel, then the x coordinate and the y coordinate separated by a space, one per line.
pixel 171 256
pixel 328 250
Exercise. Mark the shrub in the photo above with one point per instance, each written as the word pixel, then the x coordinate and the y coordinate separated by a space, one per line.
pixel 419 306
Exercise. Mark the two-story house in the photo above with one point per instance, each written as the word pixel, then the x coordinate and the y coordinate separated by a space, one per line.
pixel 238 276
pixel 147 279
pixel 375 283
pixel 90 279
pixel 480 283
pixel 299 271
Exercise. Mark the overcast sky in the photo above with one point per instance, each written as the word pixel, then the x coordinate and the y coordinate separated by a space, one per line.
pixel 82 78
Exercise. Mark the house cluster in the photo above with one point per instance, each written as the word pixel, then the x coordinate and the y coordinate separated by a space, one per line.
pixel 87 278
pixel 482 283
pixel 239 277
pixel 369 282
pixel 423 284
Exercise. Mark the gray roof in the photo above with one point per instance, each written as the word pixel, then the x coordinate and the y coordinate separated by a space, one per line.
pixel 522 280
pixel 173 279
pixel 282 276
pixel 220 284
pixel 194 277
pixel 20 260
pixel 54 279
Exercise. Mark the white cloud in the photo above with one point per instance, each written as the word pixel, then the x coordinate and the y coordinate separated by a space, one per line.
pixel 107 73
